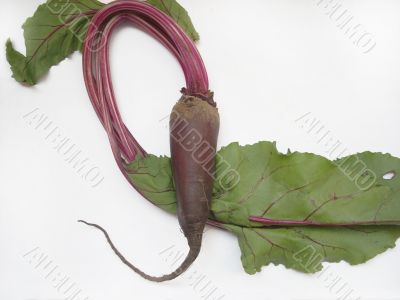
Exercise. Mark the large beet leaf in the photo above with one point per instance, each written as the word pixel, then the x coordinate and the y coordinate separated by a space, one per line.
pixel 330 197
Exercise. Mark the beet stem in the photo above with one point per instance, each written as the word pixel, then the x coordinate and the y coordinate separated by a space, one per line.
pixel 96 63
pixel 275 222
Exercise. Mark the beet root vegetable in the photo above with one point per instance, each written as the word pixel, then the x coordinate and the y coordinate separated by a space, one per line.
pixel 194 122
pixel 194 126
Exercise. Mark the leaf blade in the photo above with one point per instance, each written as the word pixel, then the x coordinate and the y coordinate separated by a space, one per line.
pixel 179 14
pixel 54 32
pixel 304 249
pixel 307 187
pixel 17 63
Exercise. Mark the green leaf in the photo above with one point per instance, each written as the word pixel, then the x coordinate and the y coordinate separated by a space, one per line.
pixel 305 248
pixel 293 187
pixel 179 14
pixel 307 187
pixel 17 63
pixel 54 32
pixel 58 28
pixel 152 176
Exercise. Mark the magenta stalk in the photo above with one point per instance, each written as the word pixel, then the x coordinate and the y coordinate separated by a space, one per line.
pixel 274 222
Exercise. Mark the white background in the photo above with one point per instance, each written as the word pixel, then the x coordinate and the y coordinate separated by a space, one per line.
pixel 270 62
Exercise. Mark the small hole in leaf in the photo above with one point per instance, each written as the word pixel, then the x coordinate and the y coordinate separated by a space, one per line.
pixel 389 175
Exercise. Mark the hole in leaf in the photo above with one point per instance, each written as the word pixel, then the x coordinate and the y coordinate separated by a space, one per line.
pixel 389 175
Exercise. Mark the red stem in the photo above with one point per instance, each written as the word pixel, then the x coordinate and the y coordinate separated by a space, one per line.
pixel 272 222
pixel 96 69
